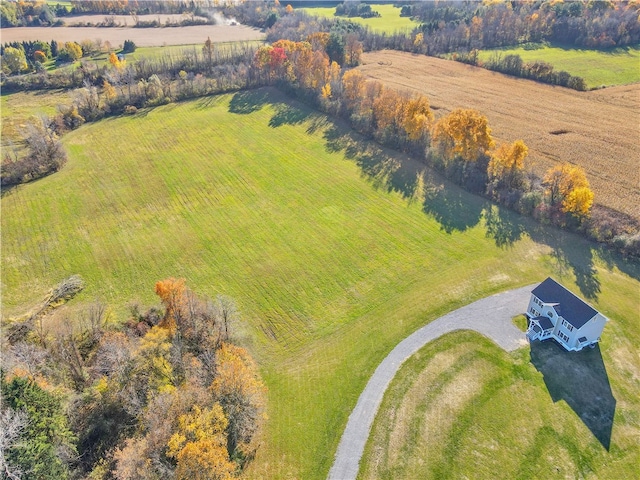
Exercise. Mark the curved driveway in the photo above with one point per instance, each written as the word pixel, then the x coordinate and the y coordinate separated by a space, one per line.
pixel 492 316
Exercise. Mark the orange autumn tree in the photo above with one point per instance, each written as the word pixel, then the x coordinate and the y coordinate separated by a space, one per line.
pixel 241 393
pixel 172 293
pixel 200 445
pixel 417 117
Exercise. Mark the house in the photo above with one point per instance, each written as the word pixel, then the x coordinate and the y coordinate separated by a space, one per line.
pixel 555 312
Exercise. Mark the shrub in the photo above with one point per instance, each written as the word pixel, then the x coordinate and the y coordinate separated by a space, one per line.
pixel 39 56
pixel 128 46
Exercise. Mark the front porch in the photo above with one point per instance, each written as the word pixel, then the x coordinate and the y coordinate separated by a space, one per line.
pixel 540 328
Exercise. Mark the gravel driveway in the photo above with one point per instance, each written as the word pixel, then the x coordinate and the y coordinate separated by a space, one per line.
pixel 490 316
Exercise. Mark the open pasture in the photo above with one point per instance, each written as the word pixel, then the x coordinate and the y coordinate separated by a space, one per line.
pixel 389 21
pixel 597 130
pixel 619 66
pixel 142 37
pixel 333 248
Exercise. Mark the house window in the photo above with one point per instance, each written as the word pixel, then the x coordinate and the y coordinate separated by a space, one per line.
pixel 563 336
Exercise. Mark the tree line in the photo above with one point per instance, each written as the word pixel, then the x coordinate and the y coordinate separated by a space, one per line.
pixel 454 25
pixel 167 395
pixel 459 145
pixel 38 13
pixel 513 64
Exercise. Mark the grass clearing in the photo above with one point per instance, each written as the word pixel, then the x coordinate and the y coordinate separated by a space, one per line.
pixel 389 21
pixel 18 109
pixel 317 234
pixel 619 66
pixel 463 408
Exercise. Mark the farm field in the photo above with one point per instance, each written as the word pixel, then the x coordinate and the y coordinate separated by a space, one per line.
pixel 324 240
pixel 597 130
pixel 142 37
pixel 389 21
pixel 619 66
pixel 126 20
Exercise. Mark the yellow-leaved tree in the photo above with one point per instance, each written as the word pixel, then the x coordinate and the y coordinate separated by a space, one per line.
pixel 238 388
pixel 507 165
pixel 417 117
pixel 200 445
pixel 464 133
pixel 567 186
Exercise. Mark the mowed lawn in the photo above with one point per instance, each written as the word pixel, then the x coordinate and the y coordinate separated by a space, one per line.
pixel 331 253
pixel 456 404
pixel 389 20
pixel 619 66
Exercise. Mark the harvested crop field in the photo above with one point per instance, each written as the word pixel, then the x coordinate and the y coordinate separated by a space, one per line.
pixel 598 130
pixel 143 37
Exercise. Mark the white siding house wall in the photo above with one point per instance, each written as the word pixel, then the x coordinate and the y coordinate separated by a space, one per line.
pixel 592 329
pixel 534 310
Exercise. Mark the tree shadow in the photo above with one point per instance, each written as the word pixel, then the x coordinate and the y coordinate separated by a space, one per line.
pixel 503 226
pixel 249 101
pixel 7 189
pixel 453 208
pixel 581 380
pixel 287 114
pixel 570 253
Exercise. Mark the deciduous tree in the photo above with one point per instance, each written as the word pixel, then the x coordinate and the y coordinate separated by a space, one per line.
pixel 567 186
pixel 507 164
pixel 14 60
pixel 240 391
pixel 463 133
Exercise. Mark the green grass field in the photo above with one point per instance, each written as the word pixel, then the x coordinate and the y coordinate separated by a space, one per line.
pixel 331 252
pixel 389 21
pixel 598 67
pixel 457 403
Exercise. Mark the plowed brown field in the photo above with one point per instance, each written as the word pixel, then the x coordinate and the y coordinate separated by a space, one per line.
pixel 599 130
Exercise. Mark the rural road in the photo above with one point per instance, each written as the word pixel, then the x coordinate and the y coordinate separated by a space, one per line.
pixel 490 316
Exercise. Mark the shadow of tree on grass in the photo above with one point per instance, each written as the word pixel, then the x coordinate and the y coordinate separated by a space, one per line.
pixel 249 101
pixel 581 380
pixel 503 226
pixel 451 207
pixel 454 208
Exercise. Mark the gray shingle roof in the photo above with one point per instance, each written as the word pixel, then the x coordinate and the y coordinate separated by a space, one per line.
pixel 544 322
pixel 573 309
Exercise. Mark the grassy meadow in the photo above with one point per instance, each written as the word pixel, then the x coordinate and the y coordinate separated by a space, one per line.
pixel 333 248
pixel 389 21
pixel 18 109
pixel 619 66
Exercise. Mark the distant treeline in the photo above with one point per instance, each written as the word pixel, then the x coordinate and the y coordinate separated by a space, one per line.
pixel 456 25
pixel 32 13
pixel 514 65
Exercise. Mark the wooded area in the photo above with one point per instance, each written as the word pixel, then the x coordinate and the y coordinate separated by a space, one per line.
pixel 167 394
